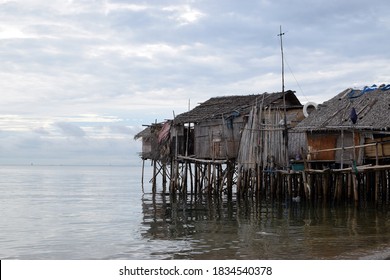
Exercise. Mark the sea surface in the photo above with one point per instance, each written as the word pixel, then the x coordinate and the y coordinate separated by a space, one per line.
pixel 104 212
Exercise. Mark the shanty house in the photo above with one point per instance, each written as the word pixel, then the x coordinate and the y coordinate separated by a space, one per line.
pixel 352 126
pixel 155 141
pixel 214 129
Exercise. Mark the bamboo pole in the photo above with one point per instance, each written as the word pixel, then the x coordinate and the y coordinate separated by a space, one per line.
pixel 354 179
pixel 376 154
pixel 191 179
pixel 342 149
pixel 325 184
pixel 377 183
pixel 154 185
pixel 239 176
pixel 197 178
pixel 355 187
pixel 230 168
pixel 337 149
pixel 164 178
pixel 387 189
pixel 143 173
pixel 202 160
pixel 209 178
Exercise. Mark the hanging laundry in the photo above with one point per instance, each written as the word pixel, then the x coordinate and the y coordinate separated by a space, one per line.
pixel 353 115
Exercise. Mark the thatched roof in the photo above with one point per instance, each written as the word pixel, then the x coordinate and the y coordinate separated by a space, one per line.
pixel 372 106
pixel 143 134
pixel 149 132
pixel 217 107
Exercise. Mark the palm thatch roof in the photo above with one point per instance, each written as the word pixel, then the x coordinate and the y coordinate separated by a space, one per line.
pixel 145 134
pixel 371 105
pixel 216 107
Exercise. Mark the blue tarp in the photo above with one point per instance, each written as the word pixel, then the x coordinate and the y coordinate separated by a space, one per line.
pixel 356 94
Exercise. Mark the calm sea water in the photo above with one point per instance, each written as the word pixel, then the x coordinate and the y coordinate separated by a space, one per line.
pixel 100 212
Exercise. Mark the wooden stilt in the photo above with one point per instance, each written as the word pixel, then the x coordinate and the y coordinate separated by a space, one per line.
pixel 239 182
pixel 207 177
pixel 325 184
pixel 191 179
pixel 229 179
pixel 164 177
pixel 377 184
pixel 143 173
pixel 154 184
pixel 355 187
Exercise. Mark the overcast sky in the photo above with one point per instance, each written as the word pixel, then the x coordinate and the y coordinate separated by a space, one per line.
pixel 79 78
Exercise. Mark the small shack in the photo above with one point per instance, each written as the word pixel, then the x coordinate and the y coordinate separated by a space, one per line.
pixel 214 129
pixel 155 141
pixel 352 127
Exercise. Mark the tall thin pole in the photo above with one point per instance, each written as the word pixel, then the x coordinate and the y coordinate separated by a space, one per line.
pixel 281 50
pixel 284 98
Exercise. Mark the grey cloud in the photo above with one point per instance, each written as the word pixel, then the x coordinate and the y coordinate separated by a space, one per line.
pixel 41 131
pixel 69 129
pixel 121 129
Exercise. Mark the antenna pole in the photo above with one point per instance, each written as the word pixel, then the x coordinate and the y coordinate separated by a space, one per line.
pixel 284 97
pixel 281 50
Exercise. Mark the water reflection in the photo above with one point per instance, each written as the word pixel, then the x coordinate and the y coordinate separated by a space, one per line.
pixel 212 228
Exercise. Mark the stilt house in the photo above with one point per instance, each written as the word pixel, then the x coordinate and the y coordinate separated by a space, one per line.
pixel 352 127
pixel 215 129
pixel 155 142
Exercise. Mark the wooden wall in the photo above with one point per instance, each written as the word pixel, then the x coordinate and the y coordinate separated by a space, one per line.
pixel 383 148
pixel 318 142
pixel 216 139
pixel 341 142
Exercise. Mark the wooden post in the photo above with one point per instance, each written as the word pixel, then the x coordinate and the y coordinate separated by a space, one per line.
pixel 338 182
pixel 191 179
pixel 258 180
pixel 355 187
pixel 154 177
pixel 272 185
pixel 202 175
pixel 377 178
pixel 172 177
pixel 350 185
pixel 185 178
pixel 354 169
pixel 376 154
pixel 387 187
pixel 229 180
pixel 244 181
pixel 239 175
pixel 325 184
pixel 209 187
pixel 143 171
pixel 164 177
pixel 221 178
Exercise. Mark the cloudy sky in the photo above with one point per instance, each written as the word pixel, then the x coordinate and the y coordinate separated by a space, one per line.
pixel 79 78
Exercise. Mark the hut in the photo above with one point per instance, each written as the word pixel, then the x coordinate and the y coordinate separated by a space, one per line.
pixel 233 135
pixel 214 129
pixel 156 147
pixel 155 141
pixel 352 127
pixel 221 137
